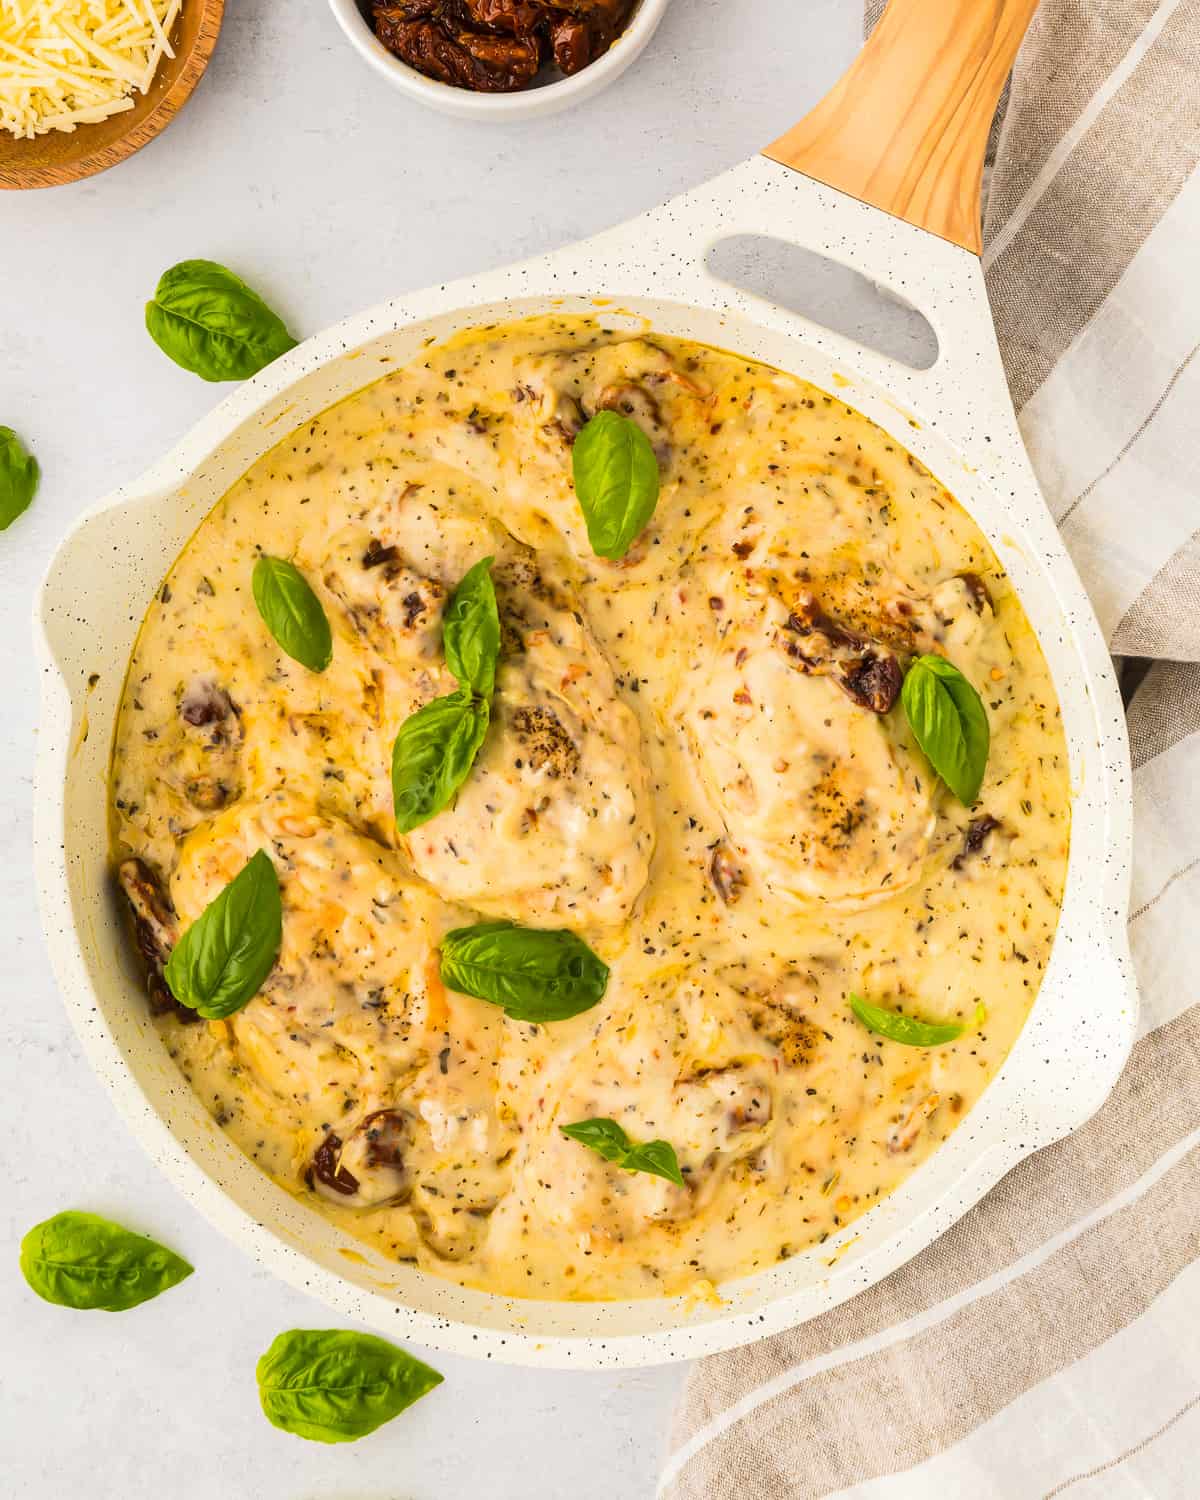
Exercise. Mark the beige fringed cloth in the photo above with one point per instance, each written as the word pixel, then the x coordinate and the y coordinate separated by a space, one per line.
pixel 1049 1344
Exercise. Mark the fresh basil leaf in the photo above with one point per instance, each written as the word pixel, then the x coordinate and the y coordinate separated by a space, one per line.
pixel 332 1385
pixel 18 477
pixel 292 612
pixel 471 631
pixel 433 754
pixel 604 1136
pixel 616 481
pixel 82 1260
pixel 657 1157
pixel 950 723
pixel 209 321
pixel 905 1029
pixel 436 747
pixel 222 959
pixel 535 975
pixel 608 1139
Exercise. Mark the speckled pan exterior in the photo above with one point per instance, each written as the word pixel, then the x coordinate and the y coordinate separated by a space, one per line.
pixel 956 417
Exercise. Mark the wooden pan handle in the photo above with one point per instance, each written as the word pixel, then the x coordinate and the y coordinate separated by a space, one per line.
pixel 906 127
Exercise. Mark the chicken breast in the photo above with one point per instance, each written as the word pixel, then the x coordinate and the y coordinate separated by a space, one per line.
pixel 821 790
pixel 349 1006
pixel 353 1040
pixel 680 1061
pixel 553 825
pixel 557 392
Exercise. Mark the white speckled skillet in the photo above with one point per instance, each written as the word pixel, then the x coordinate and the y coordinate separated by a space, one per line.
pixel 917 157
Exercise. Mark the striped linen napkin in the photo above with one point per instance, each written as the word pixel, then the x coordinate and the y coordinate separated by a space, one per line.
pixel 1049 1344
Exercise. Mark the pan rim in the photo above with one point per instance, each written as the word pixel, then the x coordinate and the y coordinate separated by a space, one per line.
pixel 945 1194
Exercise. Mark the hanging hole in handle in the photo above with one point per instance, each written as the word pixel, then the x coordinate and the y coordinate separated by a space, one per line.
pixel 826 292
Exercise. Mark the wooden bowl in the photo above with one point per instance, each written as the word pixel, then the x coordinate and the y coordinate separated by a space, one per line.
pixel 61 156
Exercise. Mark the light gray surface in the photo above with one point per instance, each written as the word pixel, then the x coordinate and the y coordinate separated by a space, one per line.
pixel 304 173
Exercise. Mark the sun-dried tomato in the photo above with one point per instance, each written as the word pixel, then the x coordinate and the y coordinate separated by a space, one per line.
pixel 485 63
pixel 974 839
pixel 496 46
pixel 325 1167
pixel 513 17
pixel 866 671
pixel 727 876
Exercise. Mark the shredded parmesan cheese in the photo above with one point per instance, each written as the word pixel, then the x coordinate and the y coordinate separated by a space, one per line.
pixel 74 62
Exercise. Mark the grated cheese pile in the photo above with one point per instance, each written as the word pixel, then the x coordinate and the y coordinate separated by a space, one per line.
pixel 73 62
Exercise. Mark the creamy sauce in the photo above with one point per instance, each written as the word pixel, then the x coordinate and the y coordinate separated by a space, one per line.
pixel 679 770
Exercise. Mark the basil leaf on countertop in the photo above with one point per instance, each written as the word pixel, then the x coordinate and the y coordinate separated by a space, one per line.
pixel 222 959
pixel 433 754
pixel 332 1385
pixel 471 631
pixel 616 481
pixel 536 975
pixel 905 1029
pixel 292 612
pixel 209 321
pixel 18 477
pixel 950 723
pixel 81 1260
pixel 608 1139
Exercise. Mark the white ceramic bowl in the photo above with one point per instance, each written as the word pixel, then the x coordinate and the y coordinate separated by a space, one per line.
pixel 526 104
pixel 956 417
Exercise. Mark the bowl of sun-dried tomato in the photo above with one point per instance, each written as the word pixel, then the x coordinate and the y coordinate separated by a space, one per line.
pixel 499 59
